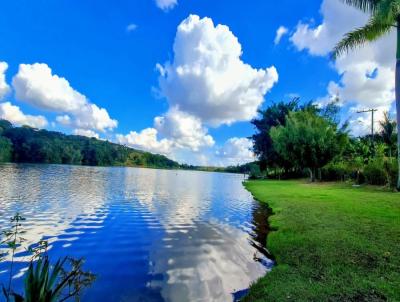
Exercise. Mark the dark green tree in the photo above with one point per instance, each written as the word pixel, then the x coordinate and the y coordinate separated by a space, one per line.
pixel 308 140
pixel 5 150
pixel 388 132
pixel 273 116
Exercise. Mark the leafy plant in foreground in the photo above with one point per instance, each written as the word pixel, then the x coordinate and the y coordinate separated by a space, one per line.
pixel 44 282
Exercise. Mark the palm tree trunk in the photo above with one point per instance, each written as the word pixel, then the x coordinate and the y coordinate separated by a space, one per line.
pixel 397 90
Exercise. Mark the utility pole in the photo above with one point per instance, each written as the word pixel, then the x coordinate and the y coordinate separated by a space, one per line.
pixel 372 125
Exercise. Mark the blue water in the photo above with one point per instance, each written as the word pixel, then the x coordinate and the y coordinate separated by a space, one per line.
pixel 148 235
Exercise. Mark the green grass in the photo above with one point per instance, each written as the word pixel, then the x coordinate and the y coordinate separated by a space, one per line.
pixel 333 242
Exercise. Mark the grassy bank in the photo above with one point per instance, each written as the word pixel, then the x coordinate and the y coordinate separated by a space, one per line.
pixel 333 242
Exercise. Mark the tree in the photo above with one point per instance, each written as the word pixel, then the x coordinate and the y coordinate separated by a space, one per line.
pixel 4 125
pixel 388 132
pixel 308 140
pixel 273 116
pixel 5 150
pixel 385 15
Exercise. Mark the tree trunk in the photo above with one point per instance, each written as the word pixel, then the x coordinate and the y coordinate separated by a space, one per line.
pixel 312 174
pixel 397 90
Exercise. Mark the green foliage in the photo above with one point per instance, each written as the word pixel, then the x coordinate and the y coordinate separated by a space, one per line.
pixel 4 125
pixel 255 172
pixel 44 282
pixel 392 171
pixel 384 15
pixel 388 133
pixel 273 116
pixel 308 140
pixel 335 171
pixel 381 171
pixel 5 149
pixel 29 145
pixel 47 283
pixel 375 173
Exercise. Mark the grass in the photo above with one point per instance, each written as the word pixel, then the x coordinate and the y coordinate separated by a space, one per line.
pixel 333 242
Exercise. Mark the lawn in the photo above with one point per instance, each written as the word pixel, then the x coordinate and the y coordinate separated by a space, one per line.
pixel 333 242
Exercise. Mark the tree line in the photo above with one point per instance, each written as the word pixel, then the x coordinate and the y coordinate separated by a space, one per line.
pixel 293 140
pixel 29 145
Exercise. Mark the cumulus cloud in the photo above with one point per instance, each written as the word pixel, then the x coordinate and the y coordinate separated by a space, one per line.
pixel 4 87
pixel 207 77
pixel 367 74
pixel 206 84
pixel 280 32
pixel 146 140
pixel 338 19
pixel 87 133
pixel 14 114
pixel 183 130
pixel 166 5
pixel 174 131
pixel 235 151
pixel 35 84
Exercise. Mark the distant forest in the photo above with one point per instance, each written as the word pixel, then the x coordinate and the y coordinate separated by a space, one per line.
pixel 29 145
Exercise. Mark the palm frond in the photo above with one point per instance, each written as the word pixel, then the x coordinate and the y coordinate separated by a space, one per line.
pixel 367 6
pixel 370 32
pixel 387 11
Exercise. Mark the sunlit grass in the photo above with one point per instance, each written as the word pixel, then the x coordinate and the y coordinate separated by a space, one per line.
pixel 334 242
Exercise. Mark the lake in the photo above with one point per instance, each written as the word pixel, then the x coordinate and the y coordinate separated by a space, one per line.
pixel 148 235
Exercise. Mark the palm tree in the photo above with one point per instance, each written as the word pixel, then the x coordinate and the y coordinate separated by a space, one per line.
pixel 388 131
pixel 385 16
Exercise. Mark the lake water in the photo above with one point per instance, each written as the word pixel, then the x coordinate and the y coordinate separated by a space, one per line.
pixel 148 235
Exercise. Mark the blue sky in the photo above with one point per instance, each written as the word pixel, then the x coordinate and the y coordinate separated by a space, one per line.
pixel 107 51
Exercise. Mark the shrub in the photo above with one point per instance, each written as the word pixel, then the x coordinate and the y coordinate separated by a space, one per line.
pixel 255 172
pixel 375 172
pixel 392 170
pixel 335 171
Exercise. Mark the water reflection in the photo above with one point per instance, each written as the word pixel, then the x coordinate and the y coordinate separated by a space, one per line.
pixel 150 235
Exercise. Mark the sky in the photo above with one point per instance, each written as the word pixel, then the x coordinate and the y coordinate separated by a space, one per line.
pixel 183 78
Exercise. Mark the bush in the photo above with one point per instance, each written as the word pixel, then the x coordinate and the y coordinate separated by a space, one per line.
pixel 392 172
pixel 255 172
pixel 375 172
pixel 335 171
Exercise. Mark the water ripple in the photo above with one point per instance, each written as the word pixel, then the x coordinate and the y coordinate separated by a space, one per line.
pixel 149 235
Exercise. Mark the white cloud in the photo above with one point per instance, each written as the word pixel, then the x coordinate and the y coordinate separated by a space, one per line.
pixel 14 114
pixel 35 84
pixel 207 83
pixel 367 74
pixel 89 117
pixel 4 87
pixel 184 130
pixel 172 132
pixel 87 133
pixel 280 32
pixel 146 140
pixel 207 77
pixel 338 19
pixel 235 151
pixel 166 5
pixel 64 120
pixel 131 27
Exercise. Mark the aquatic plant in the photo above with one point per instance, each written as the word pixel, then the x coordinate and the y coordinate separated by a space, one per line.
pixel 44 282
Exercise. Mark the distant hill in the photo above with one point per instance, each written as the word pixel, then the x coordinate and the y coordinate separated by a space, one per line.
pixel 30 145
